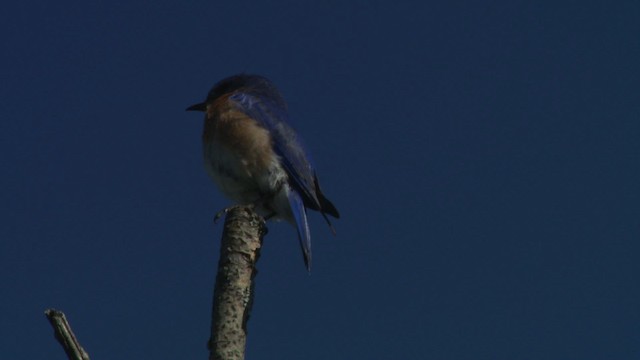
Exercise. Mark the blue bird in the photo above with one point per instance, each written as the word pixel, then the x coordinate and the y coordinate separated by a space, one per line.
pixel 255 157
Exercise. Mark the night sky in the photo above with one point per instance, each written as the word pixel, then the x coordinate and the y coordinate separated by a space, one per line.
pixel 484 156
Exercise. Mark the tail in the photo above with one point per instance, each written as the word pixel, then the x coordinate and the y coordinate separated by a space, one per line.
pixel 302 225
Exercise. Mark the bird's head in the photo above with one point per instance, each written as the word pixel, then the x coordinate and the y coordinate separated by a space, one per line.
pixel 253 84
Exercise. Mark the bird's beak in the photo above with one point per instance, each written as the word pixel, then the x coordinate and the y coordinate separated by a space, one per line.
pixel 198 107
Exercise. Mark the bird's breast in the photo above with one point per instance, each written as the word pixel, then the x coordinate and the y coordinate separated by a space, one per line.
pixel 239 156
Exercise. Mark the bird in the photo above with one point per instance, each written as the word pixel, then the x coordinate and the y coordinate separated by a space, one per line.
pixel 256 158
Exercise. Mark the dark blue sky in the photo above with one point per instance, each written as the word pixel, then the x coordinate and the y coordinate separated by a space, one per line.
pixel 485 158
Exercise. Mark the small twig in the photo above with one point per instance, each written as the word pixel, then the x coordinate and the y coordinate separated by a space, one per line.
pixel 64 335
pixel 233 292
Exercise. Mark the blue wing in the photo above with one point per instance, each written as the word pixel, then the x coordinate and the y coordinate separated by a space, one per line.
pixel 272 115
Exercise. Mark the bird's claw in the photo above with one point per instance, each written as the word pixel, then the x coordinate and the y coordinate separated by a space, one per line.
pixel 220 214
pixel 225 211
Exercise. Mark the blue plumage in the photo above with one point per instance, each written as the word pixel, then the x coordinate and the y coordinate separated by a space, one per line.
pixel 257 158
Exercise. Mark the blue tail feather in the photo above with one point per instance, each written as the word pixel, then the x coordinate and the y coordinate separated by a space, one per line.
pixel 302 225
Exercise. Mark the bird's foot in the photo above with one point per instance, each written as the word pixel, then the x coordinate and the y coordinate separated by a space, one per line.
pixel 220 214
pixel 226 210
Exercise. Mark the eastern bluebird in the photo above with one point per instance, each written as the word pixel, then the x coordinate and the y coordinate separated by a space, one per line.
pixel 255 157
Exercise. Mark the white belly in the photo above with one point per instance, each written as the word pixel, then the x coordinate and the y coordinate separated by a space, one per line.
pixel 245 184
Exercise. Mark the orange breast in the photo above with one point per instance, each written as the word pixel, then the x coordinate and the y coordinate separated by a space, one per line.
pixel 234 130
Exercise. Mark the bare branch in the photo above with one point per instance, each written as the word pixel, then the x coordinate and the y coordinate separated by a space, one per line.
pixel 233 292
pixel 64 335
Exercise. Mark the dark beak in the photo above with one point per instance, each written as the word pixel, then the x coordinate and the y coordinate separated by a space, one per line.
pixel 198 107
